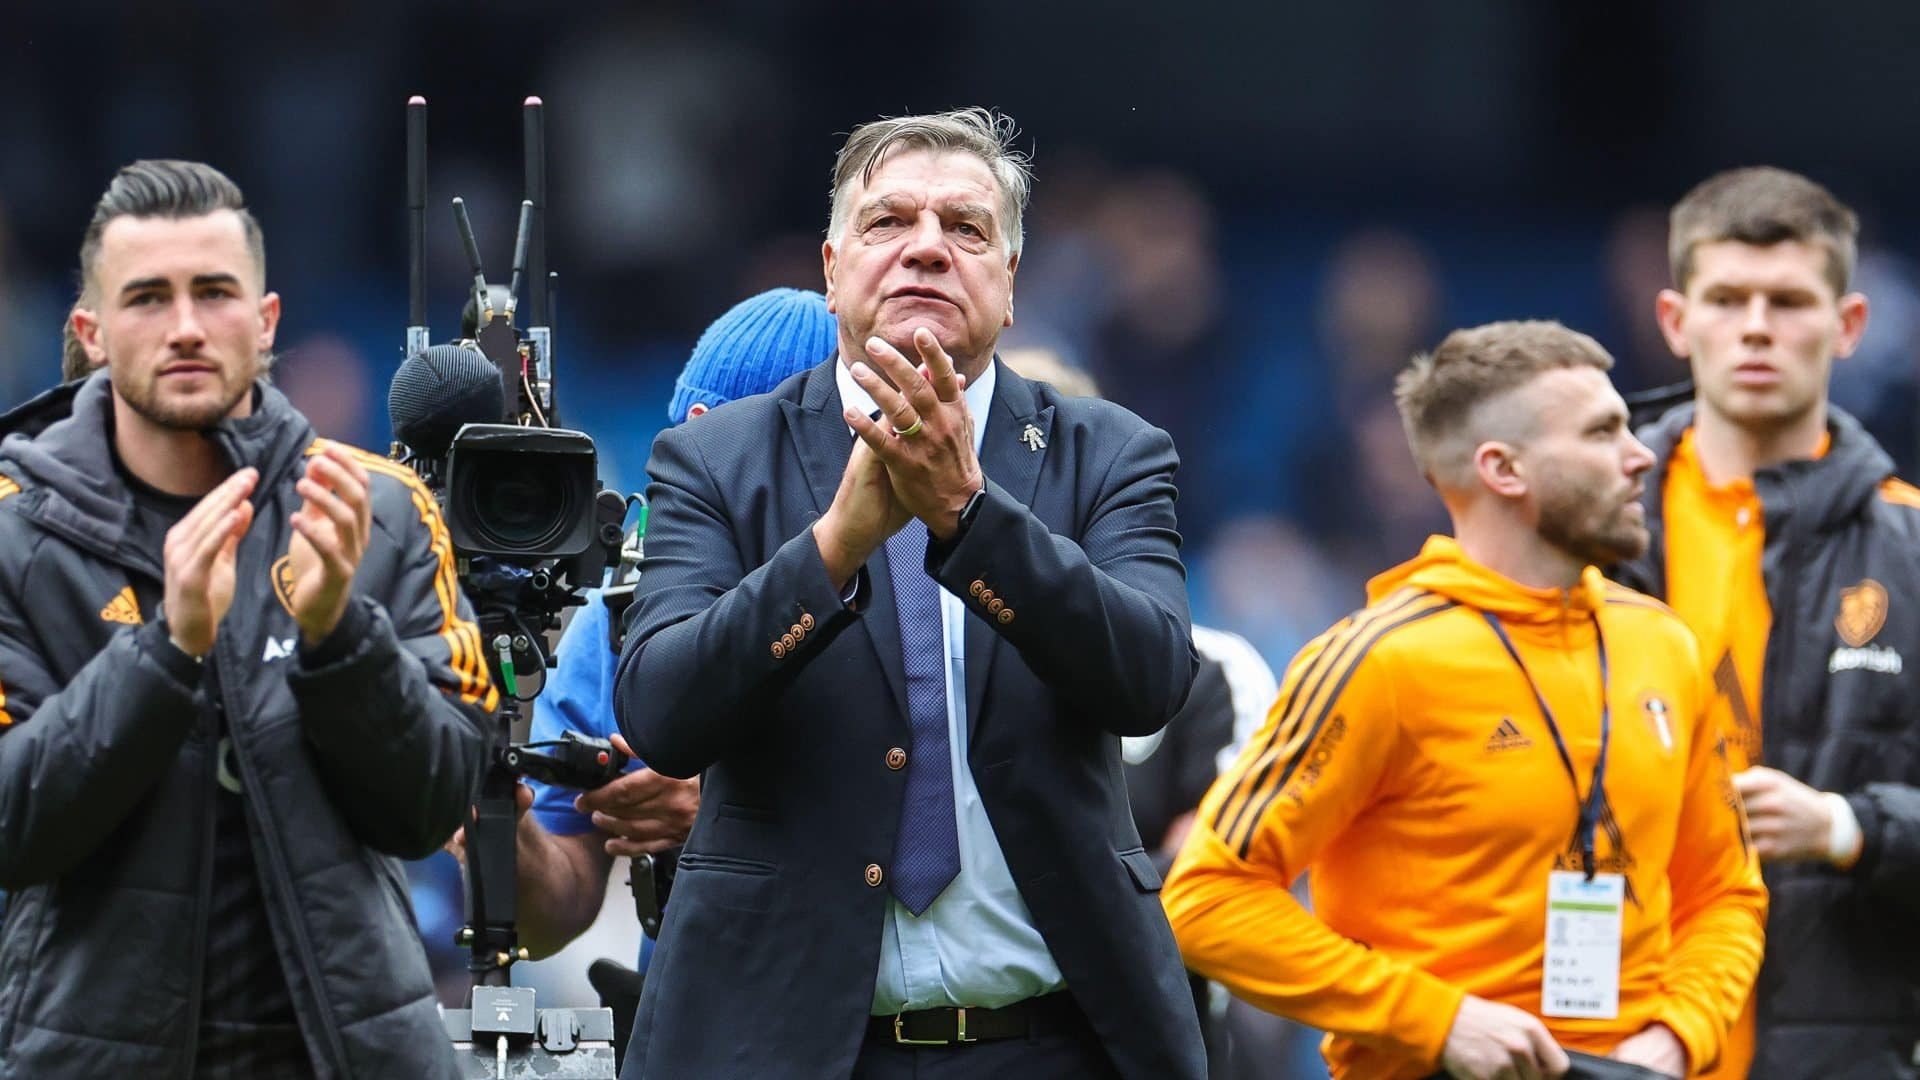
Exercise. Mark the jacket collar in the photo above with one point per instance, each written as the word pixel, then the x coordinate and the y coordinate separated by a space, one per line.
pixel 1816 495
pixel 71 461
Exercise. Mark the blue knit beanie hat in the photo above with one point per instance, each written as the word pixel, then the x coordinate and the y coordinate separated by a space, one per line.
pixel 754 347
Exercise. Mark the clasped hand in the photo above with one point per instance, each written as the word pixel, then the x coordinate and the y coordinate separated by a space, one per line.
pixel 916 461
pixel 331 528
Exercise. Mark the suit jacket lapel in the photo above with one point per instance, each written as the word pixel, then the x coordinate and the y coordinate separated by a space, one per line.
pixel 1008 460
pixel 825 445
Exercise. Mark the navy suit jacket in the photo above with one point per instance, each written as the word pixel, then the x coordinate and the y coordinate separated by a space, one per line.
pixel 743 665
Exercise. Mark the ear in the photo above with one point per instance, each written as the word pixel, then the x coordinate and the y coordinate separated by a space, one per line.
pixel 269 322
pixel 1853 324
pixel 1498 467
pixel 1013 268
pixel 1670 310
pixel 86 328
pixel 826 267
pixel 698 408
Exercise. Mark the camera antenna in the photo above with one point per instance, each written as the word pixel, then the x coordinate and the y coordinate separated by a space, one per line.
pixel 416 225
pixel 482 308
pixel 533 219
pixel 519 256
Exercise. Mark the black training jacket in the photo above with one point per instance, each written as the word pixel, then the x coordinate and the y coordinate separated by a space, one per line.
pixel 107 763
pixel 1839 993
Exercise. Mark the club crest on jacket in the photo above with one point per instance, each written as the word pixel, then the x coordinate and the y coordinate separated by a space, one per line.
pixel 1863 611
pixel 282 572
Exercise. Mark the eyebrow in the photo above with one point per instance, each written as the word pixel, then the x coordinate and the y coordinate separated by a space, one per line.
pixel 143 284
pixel 884 202
pixel 969 211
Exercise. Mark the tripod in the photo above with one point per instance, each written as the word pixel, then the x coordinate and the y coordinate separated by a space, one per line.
pixel 504 1034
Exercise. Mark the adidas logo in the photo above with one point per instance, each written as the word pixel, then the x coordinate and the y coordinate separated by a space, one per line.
pixel 1507 736
pixel 123 608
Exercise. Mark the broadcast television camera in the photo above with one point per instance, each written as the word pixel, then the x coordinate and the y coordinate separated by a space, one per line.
pixel 531 531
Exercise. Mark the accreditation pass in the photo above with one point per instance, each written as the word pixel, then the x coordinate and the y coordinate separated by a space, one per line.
pixel 1581 975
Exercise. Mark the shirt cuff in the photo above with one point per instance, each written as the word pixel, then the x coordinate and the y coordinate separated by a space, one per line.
pixel 1843 838
pixel 854 596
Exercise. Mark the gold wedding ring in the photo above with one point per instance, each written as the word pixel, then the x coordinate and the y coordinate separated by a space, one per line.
pixel 911 429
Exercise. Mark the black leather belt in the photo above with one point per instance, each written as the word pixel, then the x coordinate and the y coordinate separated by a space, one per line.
pixel 945 1027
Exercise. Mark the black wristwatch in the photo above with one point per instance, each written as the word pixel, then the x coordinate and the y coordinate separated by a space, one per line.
pixel 970 511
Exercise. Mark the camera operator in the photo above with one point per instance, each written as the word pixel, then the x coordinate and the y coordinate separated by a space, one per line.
pixel 237 680
pixel 568 843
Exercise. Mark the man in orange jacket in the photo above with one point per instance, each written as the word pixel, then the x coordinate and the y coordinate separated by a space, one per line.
pixel 1522 831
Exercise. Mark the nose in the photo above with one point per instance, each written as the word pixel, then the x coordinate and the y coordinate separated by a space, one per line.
pixel 926 246
pixel 1638 458
pixel 187 335
pixel 1756 327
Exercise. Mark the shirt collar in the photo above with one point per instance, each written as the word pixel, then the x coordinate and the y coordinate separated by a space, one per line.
pixel 979 396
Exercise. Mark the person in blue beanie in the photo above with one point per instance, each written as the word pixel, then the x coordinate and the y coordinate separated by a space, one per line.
pixel 568 840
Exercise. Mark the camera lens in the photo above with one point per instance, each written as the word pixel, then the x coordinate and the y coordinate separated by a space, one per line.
pixel 520 494
pixel 519 506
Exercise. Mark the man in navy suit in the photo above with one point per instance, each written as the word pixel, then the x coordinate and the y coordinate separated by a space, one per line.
pixel 898 614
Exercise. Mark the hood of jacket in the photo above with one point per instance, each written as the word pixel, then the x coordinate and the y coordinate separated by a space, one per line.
pixel 1443 569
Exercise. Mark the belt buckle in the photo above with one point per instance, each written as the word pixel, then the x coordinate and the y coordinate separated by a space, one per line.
pixel 960 1032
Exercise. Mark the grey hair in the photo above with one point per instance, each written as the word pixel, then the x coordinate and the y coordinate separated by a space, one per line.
pixel 984 133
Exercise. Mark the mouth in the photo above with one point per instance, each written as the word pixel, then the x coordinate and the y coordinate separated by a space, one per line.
pixel 1756 373
pixel 920 292
pixel 188 367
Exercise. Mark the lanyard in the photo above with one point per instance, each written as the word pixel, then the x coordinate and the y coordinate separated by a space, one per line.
pixel 1592 806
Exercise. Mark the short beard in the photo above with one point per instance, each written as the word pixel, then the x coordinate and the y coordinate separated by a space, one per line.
pixel 1566 522
pixel 183 416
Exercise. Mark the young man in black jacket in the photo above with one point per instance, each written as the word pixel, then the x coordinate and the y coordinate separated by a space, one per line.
pixel 1781 537
pixel 237 681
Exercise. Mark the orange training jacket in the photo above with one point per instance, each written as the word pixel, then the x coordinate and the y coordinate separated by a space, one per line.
pixel 1407 764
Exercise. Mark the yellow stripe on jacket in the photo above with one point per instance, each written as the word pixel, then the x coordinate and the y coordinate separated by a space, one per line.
pixel 465 655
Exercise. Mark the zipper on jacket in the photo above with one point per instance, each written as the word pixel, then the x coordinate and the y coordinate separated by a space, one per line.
pixel 283 889
pixel 1776 658
pixel 197 996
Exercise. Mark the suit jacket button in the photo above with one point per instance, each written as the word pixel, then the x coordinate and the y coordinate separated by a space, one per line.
pixel 779 651
pixel 996 605
pixel 976 587
pixel 799 632
pixel 787 640
pixel 986 596
pixel 896 759
pixel 806 622
pixel 1006 615
pixel 874 874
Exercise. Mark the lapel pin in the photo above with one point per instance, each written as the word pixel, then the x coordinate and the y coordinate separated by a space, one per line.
pixel 1031 436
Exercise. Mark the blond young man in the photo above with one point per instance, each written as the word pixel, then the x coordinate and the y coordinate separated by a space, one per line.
pixel 1499 772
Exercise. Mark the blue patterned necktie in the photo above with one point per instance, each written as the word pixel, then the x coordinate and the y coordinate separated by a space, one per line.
pixel 926 853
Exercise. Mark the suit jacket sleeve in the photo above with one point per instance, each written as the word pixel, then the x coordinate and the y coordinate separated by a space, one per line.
pixel 396 702
pixel 1102 621
pixel 710 638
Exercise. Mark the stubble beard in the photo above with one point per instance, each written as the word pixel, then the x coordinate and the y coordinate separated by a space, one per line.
pixel 191 414
pixel 1567 521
